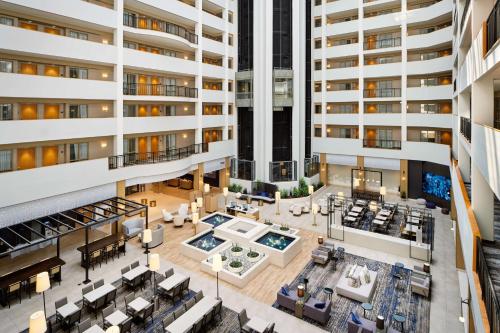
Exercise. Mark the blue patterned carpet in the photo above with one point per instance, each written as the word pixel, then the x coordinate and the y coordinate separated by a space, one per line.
pixel 391 295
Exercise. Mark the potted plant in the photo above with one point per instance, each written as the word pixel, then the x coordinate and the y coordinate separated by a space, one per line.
pixel 236 250
pixel 284 227
pixel 235 266
pixel 268 222
pixel 253 256
pixel 224 257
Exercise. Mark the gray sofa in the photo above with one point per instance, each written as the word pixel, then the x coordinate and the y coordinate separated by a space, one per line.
pixel 320 315
pixel 367 326
pixel 133 227
pixel 420 283
pixel 156 237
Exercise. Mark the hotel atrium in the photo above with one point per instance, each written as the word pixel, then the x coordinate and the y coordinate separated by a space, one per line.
pixel 256 166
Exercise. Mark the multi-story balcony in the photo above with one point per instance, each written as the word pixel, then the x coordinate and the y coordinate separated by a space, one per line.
pixel 429 37
pixel 146 89
pixel 139 21
pixel 382 93
pixel 282 171
pixel 382 137
pixel 244 88
pixel 429 134
pixel 384 41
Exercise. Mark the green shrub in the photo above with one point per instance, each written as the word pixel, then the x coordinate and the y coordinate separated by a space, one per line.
pixel 235 188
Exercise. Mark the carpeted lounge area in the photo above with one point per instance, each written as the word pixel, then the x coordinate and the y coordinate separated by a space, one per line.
pixel 392 295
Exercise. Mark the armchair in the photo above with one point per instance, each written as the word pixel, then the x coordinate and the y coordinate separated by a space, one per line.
pixel 319 256
pixel 167 216
pixel 420 284
pixel 133 227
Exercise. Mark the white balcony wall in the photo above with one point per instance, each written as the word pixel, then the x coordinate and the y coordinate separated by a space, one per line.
pixel 15 131
pixel 97 16
pixel 382 119
pixel 338 73
pixel 133 125
pixel 213 96
pixel 391 20
pixel 429 40
pixel 33 86
pixel 177 8
pixel 339 96
pixel 485 143
pixel 213 21
pixel 436 65
pixel 140 60
pixel 42 44
pixel 429 120
pixel 213 71
pixel 382 70
pixel 338 6
pixel 341 28
pixel 429 93
pixel 338 119
pixel 431 12
pixel 213 46
pixel 213 121
pixel 153 36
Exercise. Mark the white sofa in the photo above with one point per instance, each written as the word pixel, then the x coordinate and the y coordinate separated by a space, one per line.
pixel 167 216
pixel 363 293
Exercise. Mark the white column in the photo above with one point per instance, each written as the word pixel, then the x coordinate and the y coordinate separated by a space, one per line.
pixel 225 38
pixel 482 204
pixel 298 115
pixel 199 75
pixel 404 78
pixel 361 65
pixel 118 77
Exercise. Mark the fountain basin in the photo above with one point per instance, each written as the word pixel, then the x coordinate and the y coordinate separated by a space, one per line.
pixel 281 247
pixel 202 245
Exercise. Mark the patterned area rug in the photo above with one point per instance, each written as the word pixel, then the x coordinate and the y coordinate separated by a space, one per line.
pixel 391 295
pixel 229 322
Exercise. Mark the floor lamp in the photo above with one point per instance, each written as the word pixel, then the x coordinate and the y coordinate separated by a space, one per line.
pixel 217 267
pixel 195 219
pixel 199 204
pixel 225 192
pixel 147 237
pixel 38 322
pixel 113 329
pixel 315 210
pixel 383 192
pixel 42 284
pixel 311 191
pixel 277 198
pixel 154 266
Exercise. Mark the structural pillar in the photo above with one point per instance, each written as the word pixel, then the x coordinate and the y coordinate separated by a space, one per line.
pixel 403 174
pixel 120 192
pixel 482 204
pixel 323 169
pixel 198 177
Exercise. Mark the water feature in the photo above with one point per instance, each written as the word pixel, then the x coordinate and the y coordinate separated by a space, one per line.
pixel 275 240
pixel 206 242
pixel 216 219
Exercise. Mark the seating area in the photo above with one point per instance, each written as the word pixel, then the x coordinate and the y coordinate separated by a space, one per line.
pixel 101 250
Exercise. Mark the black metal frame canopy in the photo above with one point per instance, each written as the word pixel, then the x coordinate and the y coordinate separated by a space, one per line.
pixel 26 234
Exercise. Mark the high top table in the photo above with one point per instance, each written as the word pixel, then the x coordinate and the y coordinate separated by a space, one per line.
pixel 185 322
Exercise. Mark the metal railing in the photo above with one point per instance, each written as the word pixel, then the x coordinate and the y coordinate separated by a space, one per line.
pixel 382 43
pixel 130 159
pixel 150 23
pixel 283 171
pixel 493 27
pixel 465 128
pixel 385 144
pixel 311 166
pixel 159 90
pixel 383 92
pixel 488 289
pixel 242 169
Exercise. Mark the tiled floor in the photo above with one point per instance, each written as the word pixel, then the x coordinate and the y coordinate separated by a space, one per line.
pixel 445 307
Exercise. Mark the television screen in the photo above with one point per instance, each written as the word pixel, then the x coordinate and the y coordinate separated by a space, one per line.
pixel 438 186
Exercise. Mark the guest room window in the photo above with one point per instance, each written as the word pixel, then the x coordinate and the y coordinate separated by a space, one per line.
pixel 78 35
pixel 78 151
pixel 78 73
pixel 6 112
pixel 78 111
pixel 6 20
pixel 5 160
pixel 6 66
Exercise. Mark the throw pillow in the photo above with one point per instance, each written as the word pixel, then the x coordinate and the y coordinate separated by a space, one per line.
pixel 355 318
pixel 284 291
pixel 320 305
pixel 348 271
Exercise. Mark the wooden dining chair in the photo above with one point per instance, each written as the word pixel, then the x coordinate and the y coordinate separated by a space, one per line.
pixel 106 312
pixel 31 284
pixel 169 319
pixel 120 246
pixel 126 326
pixel 98 283
pixel 109 252
pixel 84 325
pixel 111 297
pixel 179 312
pixel 86 290
pixel 59 303
pixel 14 290
pixel 129 298
pixel 134 264
pixel 55 274
pixel 96 257
pixel 169 272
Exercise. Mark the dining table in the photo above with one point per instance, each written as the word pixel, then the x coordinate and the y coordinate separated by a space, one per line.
pixel 116 318
pixel 257 324
pixel 138 304
pixel 67 310
pixel 103 290
pixel 171 282
pixel 135 272
pixel 186 321
pixel 95 329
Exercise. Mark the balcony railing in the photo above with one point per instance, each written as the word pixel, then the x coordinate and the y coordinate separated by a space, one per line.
pixel 384 144
pixel 493 27
pixel 283 171
pixel 465 128
pixel 311 166
pixel 383 92
pixel 159 90
pixel 150 23
pixel 125 160
pixel 382 43
pixel 242 169
pixel 488 289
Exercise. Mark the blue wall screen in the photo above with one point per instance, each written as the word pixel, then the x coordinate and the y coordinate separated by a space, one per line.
pixel 438 186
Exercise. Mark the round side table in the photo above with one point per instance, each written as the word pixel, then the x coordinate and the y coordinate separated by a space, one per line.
pixel 328 292
pixel 400 320
pixel 366 307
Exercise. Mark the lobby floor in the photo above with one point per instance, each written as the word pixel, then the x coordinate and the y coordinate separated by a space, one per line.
pixel 260 293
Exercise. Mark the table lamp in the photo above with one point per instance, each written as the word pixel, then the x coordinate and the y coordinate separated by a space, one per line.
pixel 42 284
pixel 38 323
pixel 194 207
pixel 206 188
pixel 217 267
pixel 383 192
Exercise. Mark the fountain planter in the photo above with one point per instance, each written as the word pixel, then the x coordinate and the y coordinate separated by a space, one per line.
pixel 280 246
pixel 253 256
pixel 236 251
pixel 235 267
pixel 202 245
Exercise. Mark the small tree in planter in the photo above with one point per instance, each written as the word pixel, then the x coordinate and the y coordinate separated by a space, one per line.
pixel 236 250
pixel 268 222
pixel 235 266
pixel 284 227
pixel 253 256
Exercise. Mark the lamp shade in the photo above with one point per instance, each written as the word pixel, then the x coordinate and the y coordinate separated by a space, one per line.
pixel 311 189
pixel 147 236
pixel 206 188
pixel 42 282
pixel 340 194
pixel 194 207
pixel 113 329
pixel 195 218
pixel 199 202
pixel 383 190
pixel 154 262
pixel 38 323
pixel 277 195
pixel 373 206
pixel 356 182
pixel 315 208
pixel 217 262
pixel 225 191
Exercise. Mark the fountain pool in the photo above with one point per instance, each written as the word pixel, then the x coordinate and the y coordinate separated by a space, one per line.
pixel 275 240
pixel 206 242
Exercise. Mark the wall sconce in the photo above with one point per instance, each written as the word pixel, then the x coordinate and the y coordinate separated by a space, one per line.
pixel 466 302
pixel 104 75
pixel 105 108
pixel 186 57
pixel 184 136
pixel 185 83
pixel 185 108
pixel 105 41
pixel 104 144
